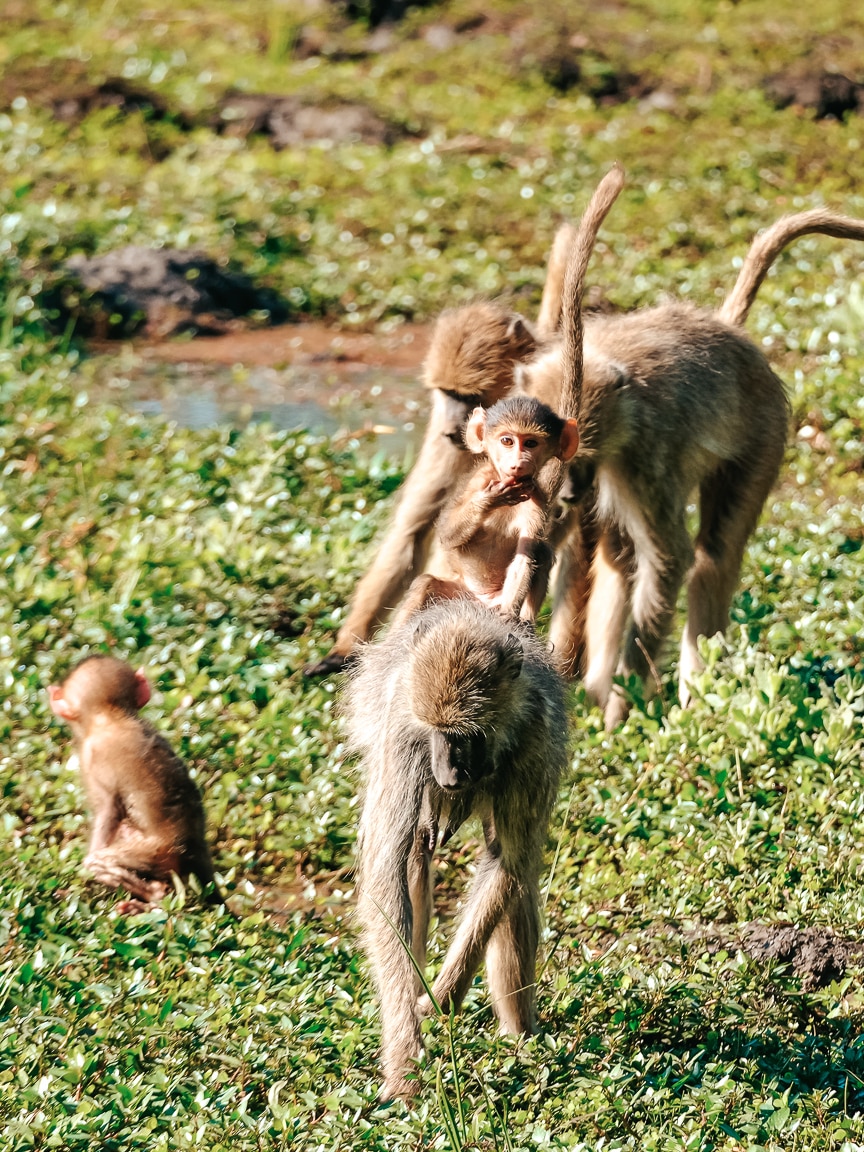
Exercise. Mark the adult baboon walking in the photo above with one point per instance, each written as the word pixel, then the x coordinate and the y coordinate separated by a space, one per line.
pixel 457 712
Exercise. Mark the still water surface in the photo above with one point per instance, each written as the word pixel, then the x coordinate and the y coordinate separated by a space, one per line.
pixel 384 407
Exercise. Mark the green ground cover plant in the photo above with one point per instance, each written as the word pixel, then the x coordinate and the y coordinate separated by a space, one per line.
pixel 220 560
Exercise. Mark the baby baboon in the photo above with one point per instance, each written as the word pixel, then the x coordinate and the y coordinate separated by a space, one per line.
pixel 148 819
pixel 455 713
pixel 494 532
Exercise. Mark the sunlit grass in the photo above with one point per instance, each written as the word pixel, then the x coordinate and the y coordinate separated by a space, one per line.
pixel 222 560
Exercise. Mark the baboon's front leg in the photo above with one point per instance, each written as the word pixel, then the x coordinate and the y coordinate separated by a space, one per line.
pixel 403 553
pixel 658 580
pixel 492 896
pixel 108 870
pixel 511 961
pixel 420 887
pixel 389 884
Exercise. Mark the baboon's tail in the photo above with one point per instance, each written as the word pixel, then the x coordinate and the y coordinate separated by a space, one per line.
pixel 581 247
pixel 766 248
pixel 549 316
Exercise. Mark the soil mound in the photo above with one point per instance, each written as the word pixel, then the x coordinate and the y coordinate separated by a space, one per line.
pixel 162 290
pixel 829 94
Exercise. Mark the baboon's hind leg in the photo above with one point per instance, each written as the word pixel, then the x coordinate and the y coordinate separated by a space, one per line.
pixel 729 504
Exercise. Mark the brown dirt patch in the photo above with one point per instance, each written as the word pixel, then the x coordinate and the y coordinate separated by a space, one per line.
pixel 817 955
pixel 291 121
pixel 298 344
pixel 831 95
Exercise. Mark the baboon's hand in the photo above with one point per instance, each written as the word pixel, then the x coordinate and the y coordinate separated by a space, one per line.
pixel 131 907
pixel 502 492
pixel 327 665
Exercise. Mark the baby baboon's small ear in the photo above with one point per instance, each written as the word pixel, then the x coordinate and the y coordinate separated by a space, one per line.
pixel 475 431
pixel 142 688
pixel 60 706
pixel 568 441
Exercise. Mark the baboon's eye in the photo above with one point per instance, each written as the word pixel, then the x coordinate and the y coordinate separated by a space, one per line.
pixel 531 443
pixel 506 441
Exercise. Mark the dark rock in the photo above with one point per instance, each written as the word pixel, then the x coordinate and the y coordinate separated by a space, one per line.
pixel 817 955
pixel 65 89
pixel 566 61
pixel 162 290
pixel 472 23
pixel 290 121
pixel 560 68
pixel 829 94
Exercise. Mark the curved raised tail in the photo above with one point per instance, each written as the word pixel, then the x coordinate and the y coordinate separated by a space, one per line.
pixel 549 316
pixel 581 247
pixel 766 248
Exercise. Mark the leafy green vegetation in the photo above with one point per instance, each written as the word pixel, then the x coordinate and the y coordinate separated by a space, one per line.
pixel 221 561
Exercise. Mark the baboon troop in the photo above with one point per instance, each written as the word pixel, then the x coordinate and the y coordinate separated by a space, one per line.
pixel 674 399
pixel 148 819
pixel 566 452
pixel 456 712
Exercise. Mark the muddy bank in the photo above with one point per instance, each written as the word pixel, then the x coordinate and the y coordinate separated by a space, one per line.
pixel 299 344
pixel 351 386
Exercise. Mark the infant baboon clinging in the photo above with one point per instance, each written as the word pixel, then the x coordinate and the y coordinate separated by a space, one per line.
pixel 455 713
pixel 469 363
pixel 494 532
pixel 148 819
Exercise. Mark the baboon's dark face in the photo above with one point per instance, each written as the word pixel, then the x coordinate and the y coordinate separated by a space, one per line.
pixel 455 410
pixel 458 760
pixel 577 482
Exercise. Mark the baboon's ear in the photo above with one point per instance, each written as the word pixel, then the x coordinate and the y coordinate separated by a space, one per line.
pixel 142 688
pixel 60 706
pixel 512 656
pixel 568 441
pixel 475 431
pixel 452 414
pixel 520 336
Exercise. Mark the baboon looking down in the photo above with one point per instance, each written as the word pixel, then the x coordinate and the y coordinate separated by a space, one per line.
pixel 455 713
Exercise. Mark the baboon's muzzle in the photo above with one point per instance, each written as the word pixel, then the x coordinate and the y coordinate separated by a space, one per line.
pixel 457 760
